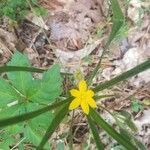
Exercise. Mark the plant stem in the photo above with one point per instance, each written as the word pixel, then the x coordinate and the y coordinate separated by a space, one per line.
pixel 94 72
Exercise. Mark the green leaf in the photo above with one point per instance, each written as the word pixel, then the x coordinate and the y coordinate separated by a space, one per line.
pixel 26 69
pixel 5 141
pixel 136 105
pixel 7 93
pixel 112 132
pixel 7 136
pixel 20 118
pixel 17 68
pixel 47 89
pixel 141 67
pixel 132 138
pixel 118 20
pixel 96 136
pixel 9 111
pixel 54 124
pixel 124 119
pixel 32 135
pixel 40 11
pixel 21 80
pixel 36 128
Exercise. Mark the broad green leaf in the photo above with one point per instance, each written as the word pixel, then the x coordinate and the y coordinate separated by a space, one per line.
pixel 7 93
pixel 142 67
pixel 47 89
pixel 40 122
pixel 35 129
pixel 21 80
pixel 54 124
pixel 112 132
pixel 96 136
pixel 31 135
pixel 9 111
pixel 20 118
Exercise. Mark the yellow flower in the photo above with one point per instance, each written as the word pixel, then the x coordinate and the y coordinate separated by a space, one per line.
pixel 83 98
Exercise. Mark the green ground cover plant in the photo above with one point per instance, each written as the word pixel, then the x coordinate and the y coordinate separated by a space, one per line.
pixel 17 10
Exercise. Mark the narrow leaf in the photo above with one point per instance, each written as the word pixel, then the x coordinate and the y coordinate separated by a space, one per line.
pixel 118 20
pixel 94 130
pixel 112 132
pixel 142 67
pixel 53 126
pixel 129 135
pixel 25 69
pixel 28 116
pixel 15 68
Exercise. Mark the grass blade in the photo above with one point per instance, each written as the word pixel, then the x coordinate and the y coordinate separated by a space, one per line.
pixel 17 68
pixel 27 69
pixel 54 124
pixel 142 67
pixel 30 115
pixel 113 133
pixel 118 20
pixel 131 136
pixel 94 130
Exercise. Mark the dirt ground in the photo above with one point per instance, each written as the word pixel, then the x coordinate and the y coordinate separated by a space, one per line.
pixel 73 34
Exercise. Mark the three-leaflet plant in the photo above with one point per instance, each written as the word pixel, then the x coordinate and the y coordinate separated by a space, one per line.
pixel 21 94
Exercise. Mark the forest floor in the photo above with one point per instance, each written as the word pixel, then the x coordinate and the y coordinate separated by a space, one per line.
pixel 73 34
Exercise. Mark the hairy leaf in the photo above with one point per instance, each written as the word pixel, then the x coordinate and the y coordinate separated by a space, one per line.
pixel 20 118
pixel 20 80
pixel 47 89
pixel 7 93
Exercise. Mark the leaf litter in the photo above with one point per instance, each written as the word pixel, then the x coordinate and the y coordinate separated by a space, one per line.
pixel 65 36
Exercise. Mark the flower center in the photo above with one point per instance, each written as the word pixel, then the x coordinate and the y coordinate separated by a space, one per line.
pixel 83 96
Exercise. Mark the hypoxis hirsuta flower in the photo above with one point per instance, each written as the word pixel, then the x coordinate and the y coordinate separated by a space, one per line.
pixel 83 98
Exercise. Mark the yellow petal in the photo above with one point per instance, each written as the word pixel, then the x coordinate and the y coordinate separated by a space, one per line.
pixel 74 104
pixel 82 86
pixel 85 107
pixel 75 93
pixel 89 93
pixel 92 102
